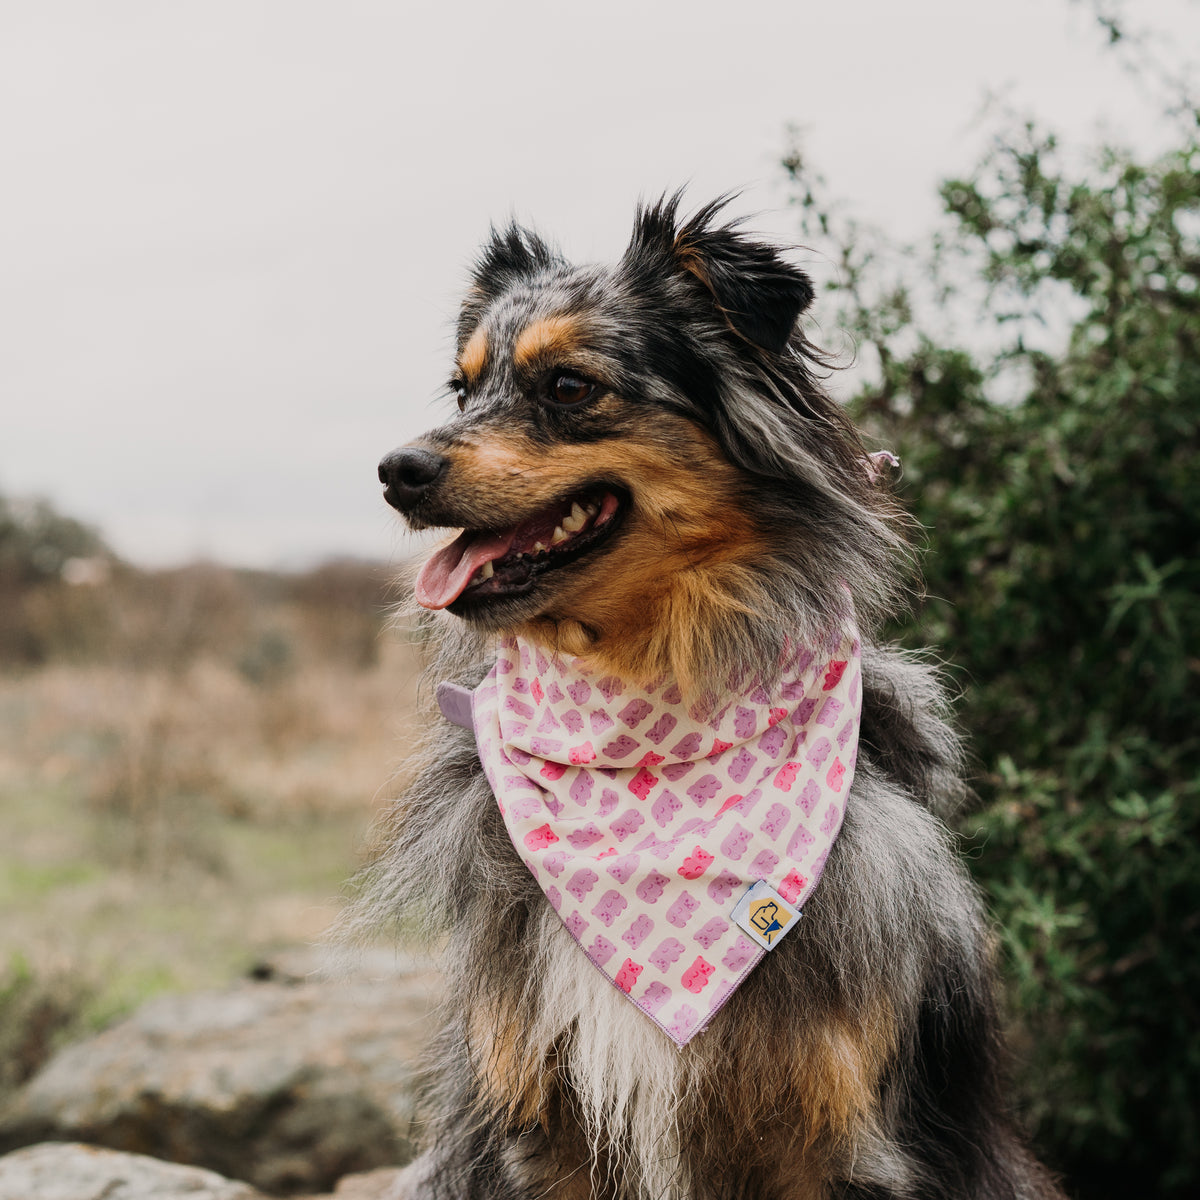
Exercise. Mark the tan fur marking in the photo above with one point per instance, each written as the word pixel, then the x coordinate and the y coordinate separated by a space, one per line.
pixel 682 566
pixel 836 1072
pixel 519 1081
pixel 799 1106
pixel 474 356
pixel 691 260
pixel 502 460
pixel 551 335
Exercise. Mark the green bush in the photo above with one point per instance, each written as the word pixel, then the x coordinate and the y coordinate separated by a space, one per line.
pixel 1058 476
pixel 37 541
pixel 40 614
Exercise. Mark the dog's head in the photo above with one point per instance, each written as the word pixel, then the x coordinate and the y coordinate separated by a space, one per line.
pixel 644 468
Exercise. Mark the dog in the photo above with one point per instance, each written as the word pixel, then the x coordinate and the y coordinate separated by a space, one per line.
pixel 756 970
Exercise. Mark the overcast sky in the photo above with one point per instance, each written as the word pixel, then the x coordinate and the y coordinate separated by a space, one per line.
pixel 232 232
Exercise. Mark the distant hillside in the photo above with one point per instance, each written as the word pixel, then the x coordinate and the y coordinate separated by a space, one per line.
pixel 66 596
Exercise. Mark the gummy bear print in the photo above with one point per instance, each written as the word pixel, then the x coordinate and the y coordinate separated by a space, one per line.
pixel 627 976
pixel 601 950
pixel 833 675
pixel 680 913
pixel 666 953
pixel 709 933
pixel 637 933
pixel 626 824
pixel 587 835
pixel 624 868
pixel 540 838
pixel 642 783
pixel 683 1023
pixel 612 904
pixel 582 882
pixel 696 863
pixel 652 886
pixel 665 808
pixel 654 997
pixel 643 818
pixel 635 712
pixel 696 977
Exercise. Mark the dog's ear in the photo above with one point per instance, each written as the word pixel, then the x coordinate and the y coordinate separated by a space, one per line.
pixel 508 256
pixel 755 290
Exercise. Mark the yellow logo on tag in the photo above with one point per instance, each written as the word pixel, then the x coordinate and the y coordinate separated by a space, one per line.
pixel 769 919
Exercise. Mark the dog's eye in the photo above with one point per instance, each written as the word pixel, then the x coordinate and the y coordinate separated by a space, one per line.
pixel 460 393
pixel 569 390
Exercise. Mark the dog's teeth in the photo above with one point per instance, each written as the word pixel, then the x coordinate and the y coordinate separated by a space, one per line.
pixel 590 511
pixel 559 537
pixel 487 570
pixel 576 521
pixel 540 547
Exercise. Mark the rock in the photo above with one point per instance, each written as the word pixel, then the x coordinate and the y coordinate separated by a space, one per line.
pixel 73 1171
pixel 408 1183
pixel 286 1086
pixel 68 1171
pixel 373 1185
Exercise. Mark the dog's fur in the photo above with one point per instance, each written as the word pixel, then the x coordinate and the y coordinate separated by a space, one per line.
pixel 861 1058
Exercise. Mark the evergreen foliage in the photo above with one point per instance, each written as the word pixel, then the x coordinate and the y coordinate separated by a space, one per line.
pixel 36 540
pixel 1058 476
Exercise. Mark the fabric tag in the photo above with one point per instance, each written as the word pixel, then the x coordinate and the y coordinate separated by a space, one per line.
pixel 764 914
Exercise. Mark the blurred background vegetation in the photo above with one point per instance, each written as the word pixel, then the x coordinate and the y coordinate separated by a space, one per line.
pixel 189 760
pixel 1037 369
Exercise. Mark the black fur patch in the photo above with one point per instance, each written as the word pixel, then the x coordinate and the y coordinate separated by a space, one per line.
pixel 758 293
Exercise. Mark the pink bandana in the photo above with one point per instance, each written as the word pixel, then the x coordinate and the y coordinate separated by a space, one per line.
pixel 677 843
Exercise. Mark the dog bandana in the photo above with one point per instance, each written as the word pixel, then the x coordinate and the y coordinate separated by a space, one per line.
pixel 677 842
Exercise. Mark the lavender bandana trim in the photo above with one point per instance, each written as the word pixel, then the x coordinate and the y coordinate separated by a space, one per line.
pixel 646 820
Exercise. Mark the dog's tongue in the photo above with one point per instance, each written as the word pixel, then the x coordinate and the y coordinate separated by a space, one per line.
pixel 447 573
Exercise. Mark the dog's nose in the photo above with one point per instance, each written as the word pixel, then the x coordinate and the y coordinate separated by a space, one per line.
pixel 407 474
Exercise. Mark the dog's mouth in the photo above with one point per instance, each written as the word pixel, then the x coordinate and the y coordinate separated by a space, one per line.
pixel 484 565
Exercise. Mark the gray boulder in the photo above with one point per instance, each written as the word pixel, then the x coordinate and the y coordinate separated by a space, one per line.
pixel 68 1171
pixel 71 1171
pixel 288 1086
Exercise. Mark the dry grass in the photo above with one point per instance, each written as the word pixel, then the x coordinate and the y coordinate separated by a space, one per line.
pixel 173 812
